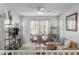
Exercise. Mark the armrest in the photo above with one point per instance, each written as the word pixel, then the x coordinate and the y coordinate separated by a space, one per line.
pixel 70 49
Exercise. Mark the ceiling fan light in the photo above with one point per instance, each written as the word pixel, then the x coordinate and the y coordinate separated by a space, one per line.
pixel 40 12
pixel 42 9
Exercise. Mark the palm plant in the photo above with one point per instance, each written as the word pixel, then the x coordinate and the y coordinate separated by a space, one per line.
pixel 10 21
pixel 10 17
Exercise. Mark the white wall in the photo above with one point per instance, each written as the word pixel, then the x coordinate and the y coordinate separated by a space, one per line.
pixel 69 34
pixel 1 33
pixel 26 29
pixel 16 18
pixel 52 21
pixel 2 8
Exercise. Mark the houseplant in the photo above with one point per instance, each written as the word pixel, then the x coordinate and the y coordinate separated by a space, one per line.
pixel 10 17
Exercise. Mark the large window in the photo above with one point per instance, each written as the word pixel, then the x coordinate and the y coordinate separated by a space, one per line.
pixel 39 27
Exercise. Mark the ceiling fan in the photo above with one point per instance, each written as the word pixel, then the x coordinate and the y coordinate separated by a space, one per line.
pixel 42 10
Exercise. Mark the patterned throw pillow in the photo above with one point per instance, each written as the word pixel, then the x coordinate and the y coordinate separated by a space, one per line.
pixel 67 44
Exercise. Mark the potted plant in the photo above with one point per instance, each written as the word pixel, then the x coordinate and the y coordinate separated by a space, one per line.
pixel 10 17
pixel 10 21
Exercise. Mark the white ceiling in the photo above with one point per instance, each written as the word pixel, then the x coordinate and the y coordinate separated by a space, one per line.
pixel 31 8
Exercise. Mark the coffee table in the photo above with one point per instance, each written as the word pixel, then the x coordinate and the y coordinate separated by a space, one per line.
pixel 40 47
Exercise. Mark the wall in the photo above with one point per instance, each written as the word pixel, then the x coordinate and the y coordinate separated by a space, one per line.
pixel 69 34
pixel 1 27
pixel 52 21
pixel 1 33
pixel 16 18
pixel 2 8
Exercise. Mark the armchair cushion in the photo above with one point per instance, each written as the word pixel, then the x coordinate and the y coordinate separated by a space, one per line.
pixel 71 45
pixel 51 46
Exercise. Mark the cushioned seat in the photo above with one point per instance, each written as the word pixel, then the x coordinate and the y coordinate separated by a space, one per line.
pixel 51 46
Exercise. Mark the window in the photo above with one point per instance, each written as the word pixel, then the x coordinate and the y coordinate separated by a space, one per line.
pixel 34 27
pixel 44 27
pixel 39 27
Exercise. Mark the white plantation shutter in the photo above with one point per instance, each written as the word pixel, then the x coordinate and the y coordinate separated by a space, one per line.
pixel 39 27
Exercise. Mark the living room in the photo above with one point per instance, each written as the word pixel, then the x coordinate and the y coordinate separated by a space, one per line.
pixel 39 26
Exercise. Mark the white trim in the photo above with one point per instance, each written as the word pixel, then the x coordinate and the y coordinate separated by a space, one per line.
pixel 47 52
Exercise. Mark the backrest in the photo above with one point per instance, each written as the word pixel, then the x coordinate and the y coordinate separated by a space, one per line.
pixel 73 45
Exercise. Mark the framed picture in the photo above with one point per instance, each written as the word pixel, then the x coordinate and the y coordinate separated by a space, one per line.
pixel 71 22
